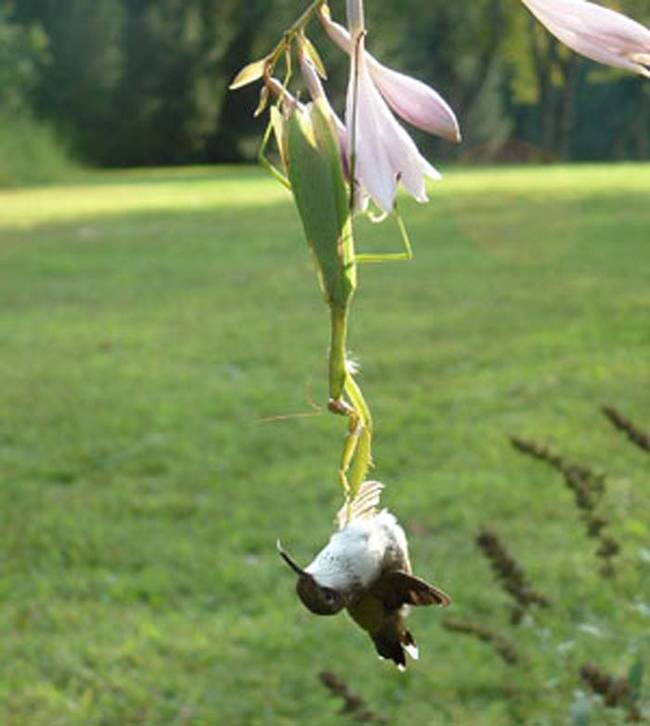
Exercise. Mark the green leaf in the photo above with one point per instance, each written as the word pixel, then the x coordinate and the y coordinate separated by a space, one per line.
pixel 310 51
pixel 320 191
pixel 248 74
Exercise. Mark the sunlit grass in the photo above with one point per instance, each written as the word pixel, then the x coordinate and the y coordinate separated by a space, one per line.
pixel 151 321
pixel 182 190
pixel 188 189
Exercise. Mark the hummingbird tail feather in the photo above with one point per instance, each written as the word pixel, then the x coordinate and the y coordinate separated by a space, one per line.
pixel 410 647
pixel 390 650
pixel 393 644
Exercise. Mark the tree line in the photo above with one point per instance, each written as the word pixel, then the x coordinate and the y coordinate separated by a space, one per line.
pixel 142 82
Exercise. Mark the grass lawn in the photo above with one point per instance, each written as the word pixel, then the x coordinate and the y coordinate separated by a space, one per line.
pixel 150 323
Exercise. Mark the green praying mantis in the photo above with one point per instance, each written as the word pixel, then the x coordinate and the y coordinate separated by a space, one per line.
pixel 324 195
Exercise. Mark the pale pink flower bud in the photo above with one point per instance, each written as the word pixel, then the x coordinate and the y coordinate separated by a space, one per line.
pixel 384 153
pixel 596 32
pixel 415 102
pixel 412 100
pixel 289 102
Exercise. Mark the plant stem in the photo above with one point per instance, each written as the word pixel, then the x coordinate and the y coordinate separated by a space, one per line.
pixel 293 29
pixel 356 19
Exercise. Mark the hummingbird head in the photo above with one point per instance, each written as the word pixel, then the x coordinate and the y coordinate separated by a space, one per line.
pixel 319 599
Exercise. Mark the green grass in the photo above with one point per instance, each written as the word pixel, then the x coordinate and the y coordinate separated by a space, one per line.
pixel 151 321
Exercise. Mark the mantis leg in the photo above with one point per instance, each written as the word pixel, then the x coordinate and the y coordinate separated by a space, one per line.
pixel 363 449
pixel 346 400
pixel 263 160
pixel 356 458
pixel 406 254
pixel 355 428
pixel 271 128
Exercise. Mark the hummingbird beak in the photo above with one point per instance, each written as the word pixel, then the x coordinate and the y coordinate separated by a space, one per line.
pixel 288 559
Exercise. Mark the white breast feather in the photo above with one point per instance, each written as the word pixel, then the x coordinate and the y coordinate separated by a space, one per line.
pixel 356 553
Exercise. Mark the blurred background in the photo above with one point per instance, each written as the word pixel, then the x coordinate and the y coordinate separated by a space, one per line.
pixel 134 82
pixel 163 379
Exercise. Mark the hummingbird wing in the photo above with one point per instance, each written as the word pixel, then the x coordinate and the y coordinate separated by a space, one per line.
pixel 399 588
pixel 363 505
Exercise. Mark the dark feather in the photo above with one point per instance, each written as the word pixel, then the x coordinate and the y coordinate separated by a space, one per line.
pixel 398 588
pixel 389 641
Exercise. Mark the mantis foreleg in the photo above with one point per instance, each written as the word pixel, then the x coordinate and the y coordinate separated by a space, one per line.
pixel 263 160
pixel 406 254
pixel 346 400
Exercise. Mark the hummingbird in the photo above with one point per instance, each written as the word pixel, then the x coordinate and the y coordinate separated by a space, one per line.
pixel 365 568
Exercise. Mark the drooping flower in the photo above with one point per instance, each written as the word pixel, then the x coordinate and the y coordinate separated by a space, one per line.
pixel 412 100
pixel 596 32
pixel 384 154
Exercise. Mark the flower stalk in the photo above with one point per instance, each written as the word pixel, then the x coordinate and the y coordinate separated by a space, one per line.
pixel 293 30
pixel 356 17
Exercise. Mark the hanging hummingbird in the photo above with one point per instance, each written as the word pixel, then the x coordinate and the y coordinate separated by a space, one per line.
pixel 365 568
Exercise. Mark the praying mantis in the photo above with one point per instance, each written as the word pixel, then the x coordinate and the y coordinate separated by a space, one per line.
pixel 316 178
pixel 324 195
